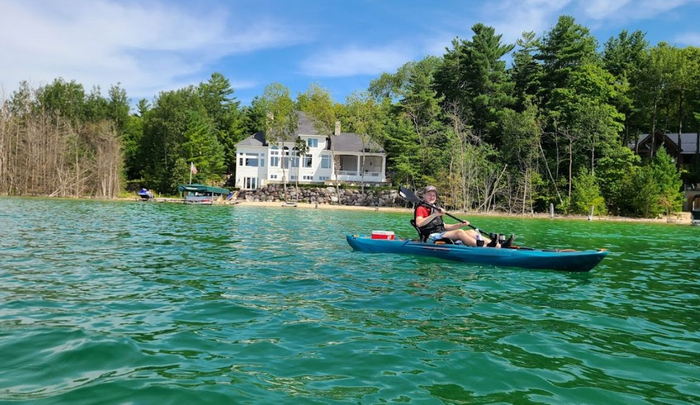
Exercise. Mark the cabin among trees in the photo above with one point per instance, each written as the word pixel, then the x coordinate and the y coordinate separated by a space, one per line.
pixel 684 148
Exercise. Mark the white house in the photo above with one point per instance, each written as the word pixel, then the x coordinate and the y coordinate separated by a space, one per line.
pixel 343 157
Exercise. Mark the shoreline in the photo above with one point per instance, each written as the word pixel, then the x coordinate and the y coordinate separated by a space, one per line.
pixel 681 218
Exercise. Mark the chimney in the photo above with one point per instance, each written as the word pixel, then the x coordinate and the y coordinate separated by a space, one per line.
pixel 337 128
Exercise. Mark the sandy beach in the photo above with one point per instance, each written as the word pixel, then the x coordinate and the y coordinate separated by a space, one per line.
pixel 682 218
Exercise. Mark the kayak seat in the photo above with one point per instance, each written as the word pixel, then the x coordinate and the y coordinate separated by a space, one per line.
pixel 420 235
pixel 443 241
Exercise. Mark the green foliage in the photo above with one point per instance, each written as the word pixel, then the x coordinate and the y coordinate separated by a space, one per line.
pixel 526 73
pixel 624 54
pixel 563 50
pixel 492 137
pixel 131 145
pixel 668 179
pixel 164 126
pixel 201 147
pixel 644 193
pixel 281 120
pixel 255 116
pixel 118 107
pixel 586 195
pixel 64 98
pixel 656 187
pixel 396 86
pixel 402 146
pixel 222 108
pixel 474 82
pixel 363 115
pixel 614 173
pixel 316 102
pixel 523 132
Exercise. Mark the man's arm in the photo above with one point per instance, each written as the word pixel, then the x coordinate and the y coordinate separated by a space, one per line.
pixel 459 225
pixel 422 221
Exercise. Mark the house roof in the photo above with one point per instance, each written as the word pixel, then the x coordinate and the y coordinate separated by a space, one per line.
pixel 257 139
pixel 688 141
pixel 306 125
pixel 349 142
pixel 345 142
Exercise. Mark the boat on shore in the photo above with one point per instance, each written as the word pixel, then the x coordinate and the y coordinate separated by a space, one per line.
pixel 564 260
pixel 145 194
pixel 202 194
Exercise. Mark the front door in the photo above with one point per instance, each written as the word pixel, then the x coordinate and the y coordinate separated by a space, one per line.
pixel 250 183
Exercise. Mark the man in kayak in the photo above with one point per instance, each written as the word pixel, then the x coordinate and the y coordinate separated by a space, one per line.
pixel 431 226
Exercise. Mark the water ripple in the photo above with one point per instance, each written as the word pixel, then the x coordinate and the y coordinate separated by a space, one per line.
pixel 137 302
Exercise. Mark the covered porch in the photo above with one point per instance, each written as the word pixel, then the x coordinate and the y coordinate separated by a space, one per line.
pixel 356 167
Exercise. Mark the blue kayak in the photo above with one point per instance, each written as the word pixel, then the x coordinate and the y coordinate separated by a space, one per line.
pixel 566 260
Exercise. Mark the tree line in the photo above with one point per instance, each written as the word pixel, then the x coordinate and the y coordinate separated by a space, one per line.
pixel 496 126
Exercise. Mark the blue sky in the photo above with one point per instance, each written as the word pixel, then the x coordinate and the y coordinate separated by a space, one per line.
pixel 152 46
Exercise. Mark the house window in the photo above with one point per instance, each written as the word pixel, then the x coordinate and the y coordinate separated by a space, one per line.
pixel 312 143
pixel 250 160
pixel 285 158
pixel 262 160
pixel 274 157
pixel 307 161
pixel 325 162
pixel 293 177
pixel 295 160
pixel 308 177
pixel 273 177
pixel 323 178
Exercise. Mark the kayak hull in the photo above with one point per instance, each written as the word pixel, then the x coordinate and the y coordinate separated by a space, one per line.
pixel 525 258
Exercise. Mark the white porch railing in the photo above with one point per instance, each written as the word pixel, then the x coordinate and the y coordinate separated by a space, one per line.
pixel 346 175
pixel 354 173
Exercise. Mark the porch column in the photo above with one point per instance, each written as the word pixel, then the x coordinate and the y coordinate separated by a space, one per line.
pixel 382 173
pixel 358 166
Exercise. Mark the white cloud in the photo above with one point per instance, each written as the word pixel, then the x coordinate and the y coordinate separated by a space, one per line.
pixel 147 47
pixel 599 9
pixel 651 8
pixel 512 17
pixel 688 38
pixel 355 60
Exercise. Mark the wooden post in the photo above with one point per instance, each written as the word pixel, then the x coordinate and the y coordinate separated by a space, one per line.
pixel 551 210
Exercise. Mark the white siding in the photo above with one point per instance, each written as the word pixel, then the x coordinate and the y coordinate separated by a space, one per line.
pixel 315 174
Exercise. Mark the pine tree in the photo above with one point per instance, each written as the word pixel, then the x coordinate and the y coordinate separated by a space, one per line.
pixel 526 72
pixel 668 179
pixel 474 82
pixel 224 110
pixel 587 194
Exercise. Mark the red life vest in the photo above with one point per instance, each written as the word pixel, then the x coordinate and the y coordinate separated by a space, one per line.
pixel 434 226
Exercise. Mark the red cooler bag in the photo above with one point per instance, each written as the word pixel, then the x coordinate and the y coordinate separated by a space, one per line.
pixel 383 235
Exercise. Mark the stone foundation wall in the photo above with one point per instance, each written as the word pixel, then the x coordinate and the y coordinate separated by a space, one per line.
pixel 326 195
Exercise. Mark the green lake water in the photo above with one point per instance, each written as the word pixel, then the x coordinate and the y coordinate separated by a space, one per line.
pixel 118 302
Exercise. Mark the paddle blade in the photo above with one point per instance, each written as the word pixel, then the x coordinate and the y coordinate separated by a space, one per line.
pixel 408 195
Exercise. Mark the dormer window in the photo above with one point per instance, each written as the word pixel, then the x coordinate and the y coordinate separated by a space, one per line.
pixel 312 142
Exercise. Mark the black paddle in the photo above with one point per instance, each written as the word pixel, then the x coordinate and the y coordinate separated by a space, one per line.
pixel 412 197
